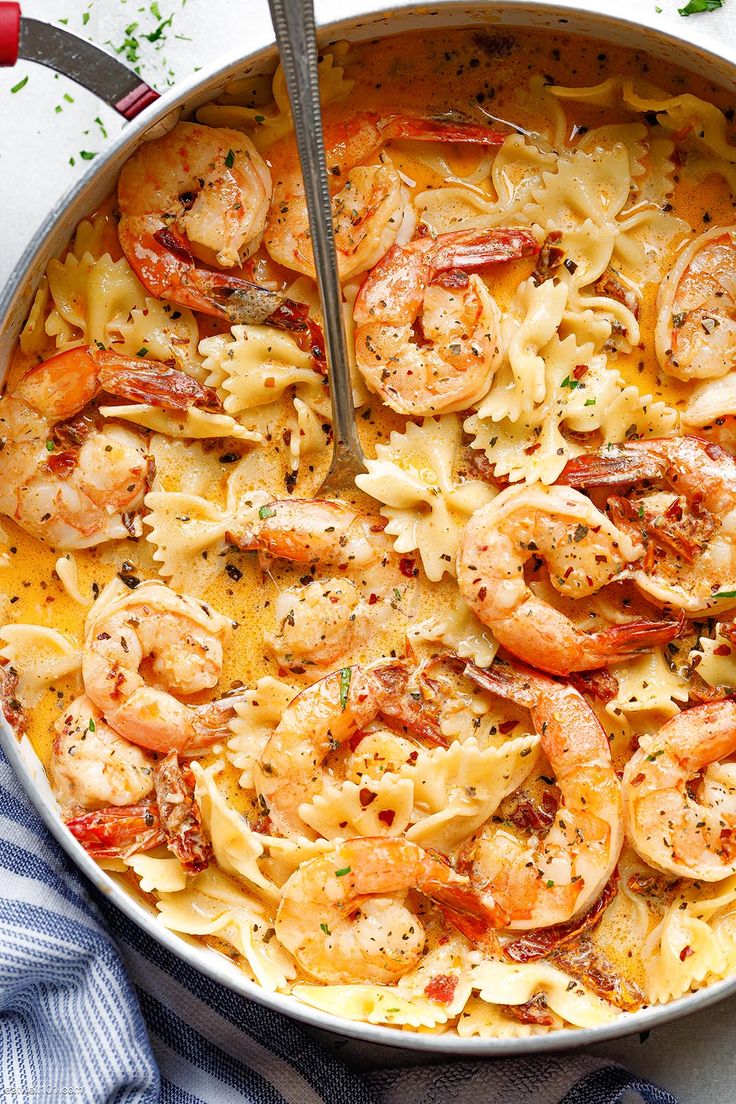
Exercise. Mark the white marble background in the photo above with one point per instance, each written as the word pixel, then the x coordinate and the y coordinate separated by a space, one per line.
pixel 49 121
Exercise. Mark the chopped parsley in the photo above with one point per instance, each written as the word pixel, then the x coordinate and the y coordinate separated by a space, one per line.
pixel 142 351
pixel 724 594
pixel 230 159
pixel 86 155
pixel 325 929
pixel 342 872
pixel 50 446
pixel 346 675
pixel 571 383
pixel 694 7
pixel 92 725
pixel 266 512
pixel 21 84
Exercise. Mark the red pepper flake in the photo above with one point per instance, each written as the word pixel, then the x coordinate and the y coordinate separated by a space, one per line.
pixel 372 599
pixel 441 988
pixel 387 817
pixel 408 568
pixel 506 727
pixel 579 371
pixel 722 650
pixel 366 797
pixel 685 953
pixel 355 740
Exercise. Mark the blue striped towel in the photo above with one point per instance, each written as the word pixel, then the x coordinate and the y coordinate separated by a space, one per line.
pixel 93 1011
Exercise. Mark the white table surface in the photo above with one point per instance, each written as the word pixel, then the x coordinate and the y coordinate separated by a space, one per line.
pixel 693 1057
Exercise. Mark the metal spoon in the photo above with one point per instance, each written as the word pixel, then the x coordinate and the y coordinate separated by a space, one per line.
pixel 293 22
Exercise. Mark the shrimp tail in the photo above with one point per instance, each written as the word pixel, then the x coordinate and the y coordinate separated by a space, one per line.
pixel 596 470
pixel 238 301
pixel 397 703
pixel 118 831
pixel 439 129
pixel 244 303
pixel 146 381
pixel 180 815
pixel 477 249
pixel 474 914
pixel 11 708
pixel 620 641
pixel 516 683
pixel 211 721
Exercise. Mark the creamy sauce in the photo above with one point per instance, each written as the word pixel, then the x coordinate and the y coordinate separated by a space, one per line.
pixel 477 75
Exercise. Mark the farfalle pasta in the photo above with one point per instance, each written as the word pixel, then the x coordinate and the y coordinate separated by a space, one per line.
pixel 452 751
pixel 426 499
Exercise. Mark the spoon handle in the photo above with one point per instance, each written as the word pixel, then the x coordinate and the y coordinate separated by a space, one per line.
pixel 293 23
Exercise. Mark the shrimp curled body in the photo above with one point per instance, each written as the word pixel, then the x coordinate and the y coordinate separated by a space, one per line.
pixel 689 527
pixel 322 718
pixel 695 336
pixel 583 551
pixel 370 203
pixel 344 918
pixel 195 198
pixel 147 650
pixel 677 824
pixel 425 285
pixel 75 485
pixel 550 880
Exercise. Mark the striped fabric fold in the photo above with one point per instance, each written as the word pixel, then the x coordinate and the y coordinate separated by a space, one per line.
pixel 94 1011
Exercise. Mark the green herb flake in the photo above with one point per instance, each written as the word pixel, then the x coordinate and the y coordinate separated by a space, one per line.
pixel 346 675
pixel 142 351
pixel 589 402
pixel 85 18
pixel 695 7
pixel 724 594
pixel 92 726
pixel 101 125
pixel 154 36
pixel 68 98
pixel 155 10
pixel 571 383
pixel 266 512
pixel 86 155
pixel 342 872
pixel 230 159
pixel 325 929
pixel 397 594
pixel 260 118
pixel 21 84
pixel 50 446
pixel 549 883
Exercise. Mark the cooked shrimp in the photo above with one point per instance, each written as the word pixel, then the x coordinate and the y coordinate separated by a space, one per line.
pixel 544 881
pixel 345 919
pixel 92 765
pixel 77 486
pixel 695 335
pixel 201 192
pixel 689 530
pixel 321 719
pixel 317 622
pixel 370 204
pixel 583 551
pixel 427 335
pixel 144 652
pixel 173 818
pixel 313 531
pixel 677 824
